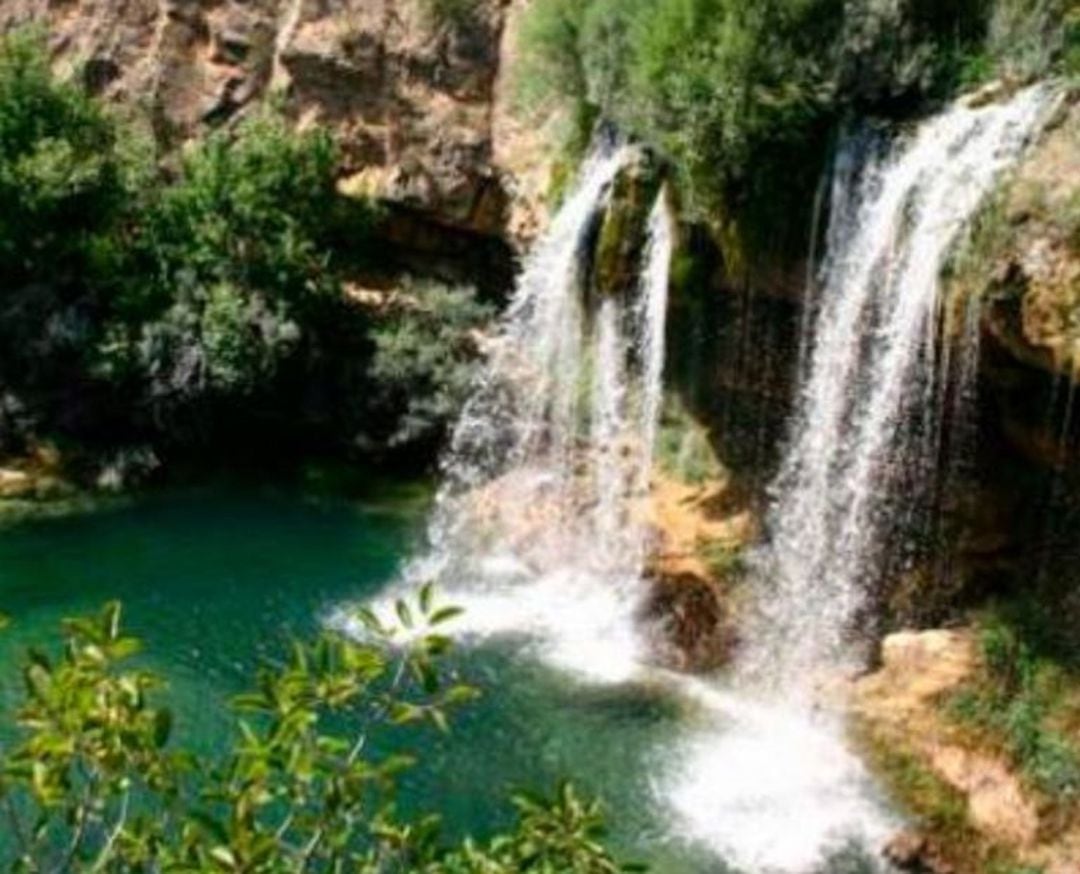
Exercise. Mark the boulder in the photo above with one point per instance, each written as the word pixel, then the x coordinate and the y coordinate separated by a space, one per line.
pixel 914 852
pixel 688 622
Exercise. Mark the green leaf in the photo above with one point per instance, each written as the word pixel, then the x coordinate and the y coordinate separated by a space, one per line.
pixel 370 621
pixel 124 647
pixel 402 713
pixel 111 620
pixel 426 595
pixel 223 856
pixel 404 613
pixel 461 694
pixel 445 614
pixel 439 718
pixel 38 681
pixel 437 644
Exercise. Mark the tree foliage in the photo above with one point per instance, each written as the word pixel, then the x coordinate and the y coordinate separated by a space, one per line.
pixel 96 783
pixel 190 293
pixel 741 97
pixel 61 174
pixel 226 262
pixel 425 357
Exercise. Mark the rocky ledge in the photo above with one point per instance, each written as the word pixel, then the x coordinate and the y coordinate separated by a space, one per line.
pixel 415 90
pixel 1022 265
pixel 698 533
pixel 971 807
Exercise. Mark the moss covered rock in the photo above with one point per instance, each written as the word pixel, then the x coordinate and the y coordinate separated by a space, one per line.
pixel 1022 263
pixel 624 226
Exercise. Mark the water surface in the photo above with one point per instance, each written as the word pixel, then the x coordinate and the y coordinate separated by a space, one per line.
pixel 214 579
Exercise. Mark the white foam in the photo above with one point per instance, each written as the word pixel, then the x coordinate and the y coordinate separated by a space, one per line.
pixel 771 787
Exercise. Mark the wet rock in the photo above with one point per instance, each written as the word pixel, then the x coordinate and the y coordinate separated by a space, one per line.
pixel 914 852
pixel 1023 264
pixel 624 226
pixel 991 92
pixel 689 624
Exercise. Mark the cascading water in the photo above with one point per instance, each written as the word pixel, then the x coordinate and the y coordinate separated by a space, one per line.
pixel 776 788
pixel 538 529
pixel 865 433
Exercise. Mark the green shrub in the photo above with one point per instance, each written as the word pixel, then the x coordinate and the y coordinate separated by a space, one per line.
pixel 709 83
pixel 61 169
pixel 741 97
pixel 95 783
pixel 1017 703
pixel 250 208
pixel 1029 38
pixel 552 67
pixel 425 358
pixel 1071 53
pixel 228 265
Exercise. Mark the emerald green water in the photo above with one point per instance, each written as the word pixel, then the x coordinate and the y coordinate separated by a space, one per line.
pixel 215 579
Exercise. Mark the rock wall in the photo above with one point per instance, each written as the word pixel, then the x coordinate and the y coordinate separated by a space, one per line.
pixel 1023 264
pixel 971 808
pixel 413 88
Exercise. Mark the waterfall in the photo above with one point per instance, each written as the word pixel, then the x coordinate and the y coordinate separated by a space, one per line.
pixel 865 433
pixel 539 527
pixel 538 530
pixel 772 785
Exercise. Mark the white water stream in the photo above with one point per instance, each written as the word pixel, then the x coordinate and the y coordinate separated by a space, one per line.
pixel 865 432
pixel 779 788
pixel 538 531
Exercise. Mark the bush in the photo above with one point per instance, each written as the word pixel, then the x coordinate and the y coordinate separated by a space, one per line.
pixel 95 783
pixel 1027 38
pixel 61 169
pixel 1018 703
pixel 229 266
pixel 425 358
pixel 250 208
pixel 741 97
pixel 727 91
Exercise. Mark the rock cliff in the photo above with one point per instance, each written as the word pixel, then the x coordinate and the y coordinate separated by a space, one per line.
pixel 1023 264
pixel 413 89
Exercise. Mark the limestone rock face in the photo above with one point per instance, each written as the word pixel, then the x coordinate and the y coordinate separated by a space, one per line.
pixel 410 91
pixel 900 708
pixel 1036 275
pixel 1025 269
pixel 691 611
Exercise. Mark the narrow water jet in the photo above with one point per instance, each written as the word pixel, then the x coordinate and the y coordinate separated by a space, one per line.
pixel 539 530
